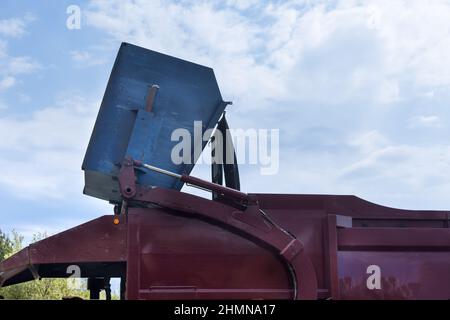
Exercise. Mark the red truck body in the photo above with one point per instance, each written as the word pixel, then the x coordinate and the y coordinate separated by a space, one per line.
pixel 161 253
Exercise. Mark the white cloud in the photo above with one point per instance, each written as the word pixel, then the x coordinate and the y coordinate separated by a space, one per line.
pixel 7 82
pixel 389 92
pixel 12 66
pixel 369 141
pixel 197 32
pixel 307 49
pixel 427 121
pixel 85 58
pixel 3 46
pixel 20 65
pixel 375 168
pixel 402 168
pixel 15 27
pixel 43 152
pixel 80 56
pixel 12 27
pixel 428 94
pixel 415 39
pixel 242 4
pixel 3 106
pixel 24 97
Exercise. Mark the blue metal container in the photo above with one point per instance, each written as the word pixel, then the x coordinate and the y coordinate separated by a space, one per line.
pixel 133 123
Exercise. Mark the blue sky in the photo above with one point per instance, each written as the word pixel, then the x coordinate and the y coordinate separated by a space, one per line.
pixel 360 91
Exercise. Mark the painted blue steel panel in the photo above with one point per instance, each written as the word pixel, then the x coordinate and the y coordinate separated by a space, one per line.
pixel 187 92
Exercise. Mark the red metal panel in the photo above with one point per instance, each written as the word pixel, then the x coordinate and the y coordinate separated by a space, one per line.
pixel 330 257
pixel 174 257
pixel 250 222
pixel 308 226
pixel 347 205
pixel 98 240
pixel 384 239
pixel 414 263
pixel 404 275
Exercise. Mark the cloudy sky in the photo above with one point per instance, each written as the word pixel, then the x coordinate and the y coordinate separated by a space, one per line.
pixel 360 91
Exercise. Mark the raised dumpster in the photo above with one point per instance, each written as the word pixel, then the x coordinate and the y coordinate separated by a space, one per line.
pixel 149 95
pixel 167 244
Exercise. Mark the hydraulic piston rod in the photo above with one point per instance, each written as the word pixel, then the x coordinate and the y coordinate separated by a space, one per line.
pixel 199 183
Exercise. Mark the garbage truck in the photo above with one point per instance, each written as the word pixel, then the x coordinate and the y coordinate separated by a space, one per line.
pixel 164 243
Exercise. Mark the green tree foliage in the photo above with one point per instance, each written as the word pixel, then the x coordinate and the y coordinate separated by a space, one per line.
pixel 6 246
pixel 37 289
